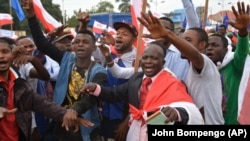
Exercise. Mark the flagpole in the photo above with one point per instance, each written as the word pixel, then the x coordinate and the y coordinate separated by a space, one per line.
pixel 205 15
pixel 139 39
pixel 11 25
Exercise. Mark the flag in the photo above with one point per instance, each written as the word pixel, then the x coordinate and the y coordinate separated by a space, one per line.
pixel 111 31
pixel 47 20
pixel 5 19
pixel 225 19
pixel 135 8
pixel 98 27
pixel 18 9
pixel 244 95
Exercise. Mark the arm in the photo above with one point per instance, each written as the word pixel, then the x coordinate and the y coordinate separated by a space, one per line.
pixel 116 70
pixel 158 31
pixel 40 40
pixel 89 101
pixel 39 71
pixel 84 19
pixel 241 23
pixel 191 15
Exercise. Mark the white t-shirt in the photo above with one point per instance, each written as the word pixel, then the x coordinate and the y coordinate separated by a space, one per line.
pixel 25 74
pixel 206 90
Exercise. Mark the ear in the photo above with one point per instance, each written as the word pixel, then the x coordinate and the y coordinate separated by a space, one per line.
pixel 202 46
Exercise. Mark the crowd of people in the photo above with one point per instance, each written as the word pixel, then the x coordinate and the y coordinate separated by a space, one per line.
pixel 60 87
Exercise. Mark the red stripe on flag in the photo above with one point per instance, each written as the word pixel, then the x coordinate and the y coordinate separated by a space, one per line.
pixel 244 117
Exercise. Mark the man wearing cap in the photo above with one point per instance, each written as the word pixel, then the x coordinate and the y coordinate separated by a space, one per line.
pixel 63 42
pixel 123 53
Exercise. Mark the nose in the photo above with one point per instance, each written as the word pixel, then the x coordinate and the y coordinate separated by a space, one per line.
pixel 209 47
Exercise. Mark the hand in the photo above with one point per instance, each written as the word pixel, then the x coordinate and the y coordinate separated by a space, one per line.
pixel 170 113
pixel 4 111
pixel 19 56
pixel 28 6
pixel 156 29
pixel 70 119
pixel 59 31
pixel 88 88
pixel 103 48
pixel 83 18
pixel 242 17
pixel 107 38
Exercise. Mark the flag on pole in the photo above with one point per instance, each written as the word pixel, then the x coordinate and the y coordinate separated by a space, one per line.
pixel 5 19
pixel 98 27
pixel 47 20
pixel 111 31
pixel 18 9
pixel 136 8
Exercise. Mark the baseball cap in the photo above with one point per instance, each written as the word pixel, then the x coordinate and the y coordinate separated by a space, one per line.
pixel 58 38
pixel 130 27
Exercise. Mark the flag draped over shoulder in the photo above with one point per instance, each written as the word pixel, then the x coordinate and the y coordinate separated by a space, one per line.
pixel 244 95
pixel 5 19
pixel 18 9
pixel 47 20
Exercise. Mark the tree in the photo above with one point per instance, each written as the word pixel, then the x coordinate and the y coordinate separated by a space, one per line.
pixel 125 5
pixel 101 7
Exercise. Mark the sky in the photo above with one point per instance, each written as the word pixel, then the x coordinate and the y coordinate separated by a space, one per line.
pixel 160 6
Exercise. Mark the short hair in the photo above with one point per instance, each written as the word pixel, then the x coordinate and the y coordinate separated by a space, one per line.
pixel 202 34
pixel 20 38
pixel 6 42
pixel 169 20
pixel 223 38
pixel 85 31
pixel 160 45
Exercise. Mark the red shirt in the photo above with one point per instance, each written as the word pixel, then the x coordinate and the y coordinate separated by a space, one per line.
pixel 9 130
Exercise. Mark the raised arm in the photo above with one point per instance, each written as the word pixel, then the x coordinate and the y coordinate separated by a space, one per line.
pixel 191 15
pixel 40 40
pixel 241 23
pixel 158 31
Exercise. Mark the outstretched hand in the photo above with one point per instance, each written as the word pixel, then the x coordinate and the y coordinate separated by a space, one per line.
pixel 84 19
pixel 242 17
pixel 28 6
pixel 107 38
pixel 59 31
pixel 154 26
pixel 4 111
pixel 88 88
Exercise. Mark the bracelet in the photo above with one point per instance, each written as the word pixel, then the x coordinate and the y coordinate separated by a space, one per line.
pixel 110 63
pixel 72 110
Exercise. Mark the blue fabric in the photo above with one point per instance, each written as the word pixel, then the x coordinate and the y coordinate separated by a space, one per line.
pixel 19 11
pixel 114 110
pixel 61 87
pixel 176 64
pixel 225 19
